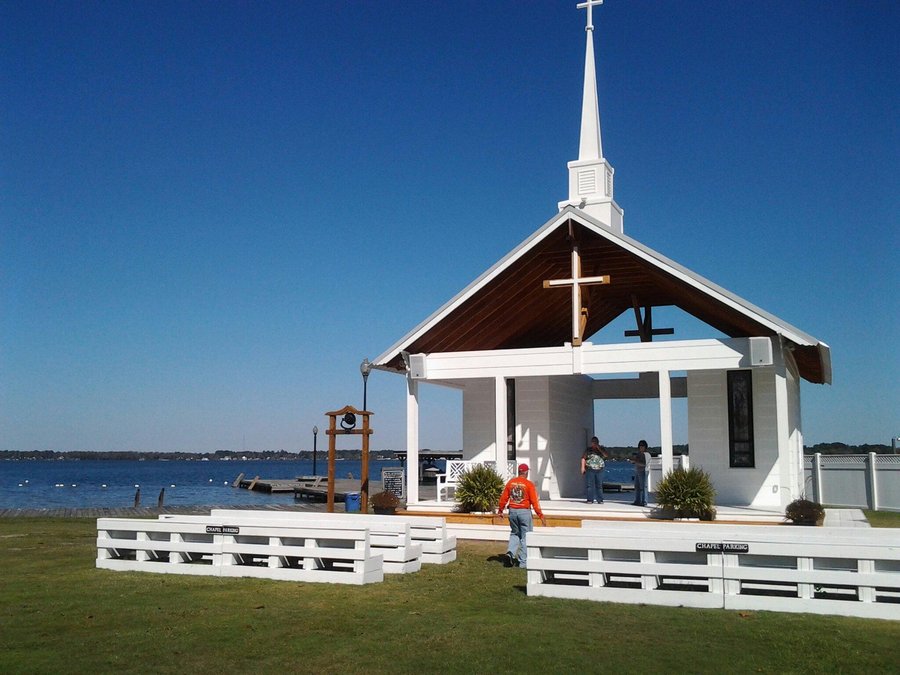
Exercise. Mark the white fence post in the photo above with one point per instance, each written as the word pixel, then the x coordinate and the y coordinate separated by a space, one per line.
pixel 817 478
pixel 872 475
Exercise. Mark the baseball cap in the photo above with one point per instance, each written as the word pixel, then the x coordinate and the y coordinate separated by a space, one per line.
pixel 523 467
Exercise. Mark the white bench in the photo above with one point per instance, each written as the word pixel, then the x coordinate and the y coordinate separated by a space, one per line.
pixel 438 546
pixel 430 532
pixel 315 551
pixel 457 467
pixel 780 568
pixel 138 544
pixel 388 536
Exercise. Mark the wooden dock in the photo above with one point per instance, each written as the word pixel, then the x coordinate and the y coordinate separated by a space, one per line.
pixel 341 487
pixel 275 485
pixel 312 488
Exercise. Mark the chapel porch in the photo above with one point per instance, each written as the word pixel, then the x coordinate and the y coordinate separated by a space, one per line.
pixel 615 506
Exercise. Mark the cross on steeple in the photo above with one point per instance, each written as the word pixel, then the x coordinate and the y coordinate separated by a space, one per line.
pixel 575 282
pixel 590 14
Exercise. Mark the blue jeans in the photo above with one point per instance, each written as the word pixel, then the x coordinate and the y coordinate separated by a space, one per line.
pixel 641 495
pixel 520 524
pixel 593 484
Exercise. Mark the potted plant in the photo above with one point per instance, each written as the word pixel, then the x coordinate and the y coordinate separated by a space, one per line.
pixel 686 493
pixel 385 502
pixel 478 489
pixel 805 512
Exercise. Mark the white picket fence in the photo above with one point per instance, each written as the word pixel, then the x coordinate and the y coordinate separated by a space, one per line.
pixel 843 571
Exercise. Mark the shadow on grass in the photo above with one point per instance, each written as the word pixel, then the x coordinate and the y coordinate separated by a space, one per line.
pixel 499 558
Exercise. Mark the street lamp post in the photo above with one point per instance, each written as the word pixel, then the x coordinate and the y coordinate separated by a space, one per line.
pixel 364 369
pixel 315 435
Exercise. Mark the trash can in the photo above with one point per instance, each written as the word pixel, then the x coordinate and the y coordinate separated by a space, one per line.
pixel 351 502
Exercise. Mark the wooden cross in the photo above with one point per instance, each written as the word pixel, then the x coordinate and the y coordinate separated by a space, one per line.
pixel 590 15
pixel 575 282
pixel 645 329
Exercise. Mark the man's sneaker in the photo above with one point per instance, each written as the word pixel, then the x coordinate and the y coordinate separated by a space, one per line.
pixel 507 560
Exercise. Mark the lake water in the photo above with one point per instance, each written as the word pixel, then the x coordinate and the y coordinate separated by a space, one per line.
pixel 35 484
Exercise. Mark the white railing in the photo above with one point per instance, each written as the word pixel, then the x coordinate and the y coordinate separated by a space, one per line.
pixel 457 467
pixel 656 474
pixel 843 571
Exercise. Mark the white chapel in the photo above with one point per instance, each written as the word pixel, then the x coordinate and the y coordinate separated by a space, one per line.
pixel 517 343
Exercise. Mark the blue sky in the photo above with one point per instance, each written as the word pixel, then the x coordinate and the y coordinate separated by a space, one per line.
pixel 211 212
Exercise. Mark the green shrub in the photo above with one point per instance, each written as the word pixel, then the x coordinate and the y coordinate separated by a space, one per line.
pixel 805 512
pixel 479 489
pixel 687 493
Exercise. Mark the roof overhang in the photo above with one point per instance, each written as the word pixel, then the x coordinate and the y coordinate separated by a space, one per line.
pixel 507 307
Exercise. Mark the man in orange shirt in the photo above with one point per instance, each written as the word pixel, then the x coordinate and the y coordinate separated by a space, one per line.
pixel 521 496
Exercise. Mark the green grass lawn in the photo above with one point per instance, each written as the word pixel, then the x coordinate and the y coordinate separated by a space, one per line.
pixel 883 518
pixel 58 614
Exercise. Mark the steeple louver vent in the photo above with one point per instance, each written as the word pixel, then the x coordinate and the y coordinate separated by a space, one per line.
pixel 587 182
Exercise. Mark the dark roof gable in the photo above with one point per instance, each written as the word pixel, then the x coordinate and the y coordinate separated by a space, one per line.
pixel 507 307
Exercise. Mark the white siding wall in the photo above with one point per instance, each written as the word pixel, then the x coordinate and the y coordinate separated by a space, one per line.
pixel 558 408
pixel 708 422
pixel 765 435
pixel 533 430
pixel 708 438
pixel 571 426
pixel 478 420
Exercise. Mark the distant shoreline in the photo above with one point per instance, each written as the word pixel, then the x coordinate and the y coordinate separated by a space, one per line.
pixel 218 456
pixel 835 448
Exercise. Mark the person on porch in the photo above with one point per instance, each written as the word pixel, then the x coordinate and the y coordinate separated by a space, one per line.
pixel 521 495
pixel 593 468
pixel 641 474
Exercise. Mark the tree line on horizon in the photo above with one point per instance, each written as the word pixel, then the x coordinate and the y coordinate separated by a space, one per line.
pixel 616 452
pixel 218 455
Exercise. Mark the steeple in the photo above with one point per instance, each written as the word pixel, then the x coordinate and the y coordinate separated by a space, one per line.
pixel 591 176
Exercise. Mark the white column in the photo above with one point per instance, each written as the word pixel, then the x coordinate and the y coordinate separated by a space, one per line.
pixel 500 424
pixel 412 441
pixel 665 421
